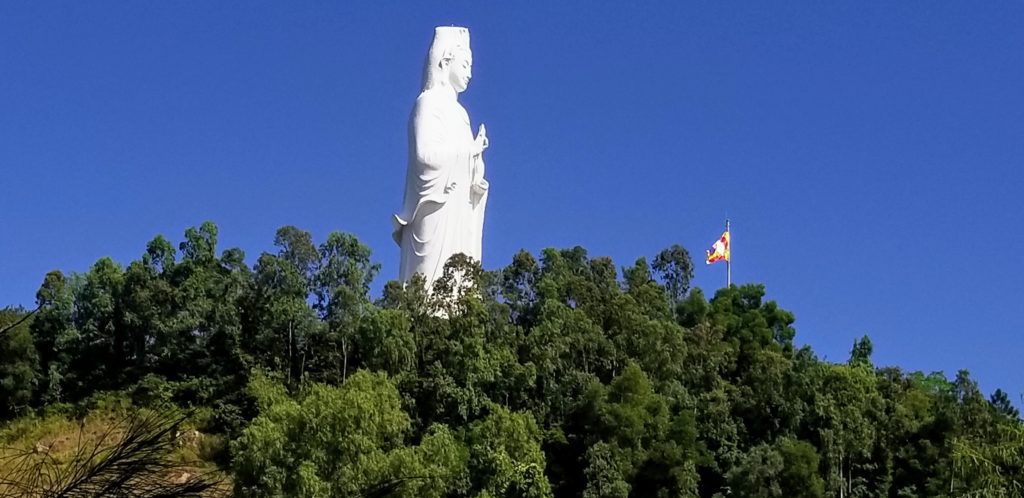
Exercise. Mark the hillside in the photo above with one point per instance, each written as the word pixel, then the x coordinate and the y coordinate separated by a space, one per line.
pixel 559 375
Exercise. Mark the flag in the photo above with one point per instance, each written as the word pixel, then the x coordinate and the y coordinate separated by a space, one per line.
pixel 720 250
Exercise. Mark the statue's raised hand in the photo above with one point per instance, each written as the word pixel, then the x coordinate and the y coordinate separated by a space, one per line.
pixel 481 143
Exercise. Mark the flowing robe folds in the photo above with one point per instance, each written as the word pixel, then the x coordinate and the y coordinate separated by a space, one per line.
pixel 445 193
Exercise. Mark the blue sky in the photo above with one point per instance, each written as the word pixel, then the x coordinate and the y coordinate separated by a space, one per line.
pixel 868 153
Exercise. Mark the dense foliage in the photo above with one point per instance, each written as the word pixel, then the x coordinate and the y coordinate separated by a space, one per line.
pixel 553 377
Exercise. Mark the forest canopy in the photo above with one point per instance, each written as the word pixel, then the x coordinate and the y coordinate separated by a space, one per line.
pixel 558 375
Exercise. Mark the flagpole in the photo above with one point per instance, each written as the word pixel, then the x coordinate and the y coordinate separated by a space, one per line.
pixel 728 262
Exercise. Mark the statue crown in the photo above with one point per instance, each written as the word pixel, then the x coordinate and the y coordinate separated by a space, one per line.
pixel 447 41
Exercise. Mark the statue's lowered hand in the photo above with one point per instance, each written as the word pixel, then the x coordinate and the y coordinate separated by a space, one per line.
pixel 478 190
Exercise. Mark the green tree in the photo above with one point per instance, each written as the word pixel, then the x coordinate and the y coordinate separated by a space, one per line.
pixel 675 268
pixel 993 466
pixel 605 473
pixel 18 363
pixel 105 349
pixel 787 468
pixel 505 457
pixel 280 324
pixel 341 286
pixel 844 414
pixel 861 352
pixel 756 474
pixel 54 334
pixel 637 441
pixel 1001 403
pixel 147 306
pixel 800 476
pixel 341 441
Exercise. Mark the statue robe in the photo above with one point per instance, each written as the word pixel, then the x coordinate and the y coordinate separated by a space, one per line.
pixel 445 193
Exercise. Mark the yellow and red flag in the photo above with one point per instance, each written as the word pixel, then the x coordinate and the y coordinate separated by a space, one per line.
pixel 720 250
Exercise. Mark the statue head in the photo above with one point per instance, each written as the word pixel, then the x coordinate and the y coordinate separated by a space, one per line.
pixel 449 61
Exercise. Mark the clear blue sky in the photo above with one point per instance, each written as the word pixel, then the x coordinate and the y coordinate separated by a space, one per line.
pixel 868 153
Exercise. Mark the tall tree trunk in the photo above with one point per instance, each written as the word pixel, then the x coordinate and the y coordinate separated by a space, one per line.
pixel 289 352
pixel 842 481
pixel 849 477
pixel 952 474
pixel 344 359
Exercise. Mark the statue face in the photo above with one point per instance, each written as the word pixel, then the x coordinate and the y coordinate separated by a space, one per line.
pixel 460 70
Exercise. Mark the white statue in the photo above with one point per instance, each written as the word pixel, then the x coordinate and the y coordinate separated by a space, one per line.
pixel 445 190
